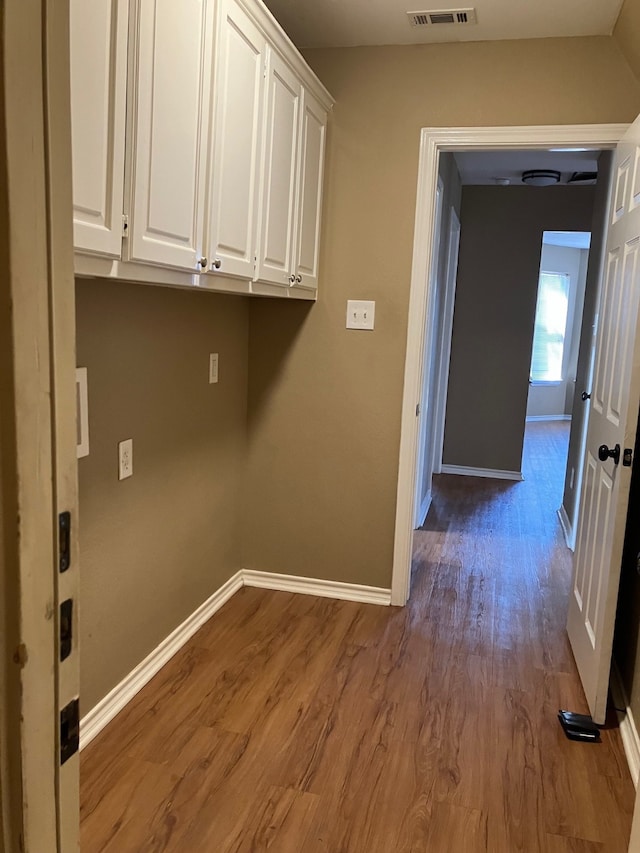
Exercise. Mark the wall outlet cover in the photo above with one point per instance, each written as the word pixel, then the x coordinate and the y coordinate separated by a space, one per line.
pixel 213 368
pixel 125 459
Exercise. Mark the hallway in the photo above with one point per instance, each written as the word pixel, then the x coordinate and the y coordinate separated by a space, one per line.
pixel 305 725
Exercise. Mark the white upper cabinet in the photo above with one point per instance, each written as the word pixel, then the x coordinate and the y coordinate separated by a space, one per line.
pixel 292 172
pixel 98 32
pixel 237 128
pixel 170 88
pixel 279 172
pixel 198 147
pixel 311 168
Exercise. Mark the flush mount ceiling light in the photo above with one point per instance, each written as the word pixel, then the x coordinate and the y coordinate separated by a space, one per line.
pixel 541 177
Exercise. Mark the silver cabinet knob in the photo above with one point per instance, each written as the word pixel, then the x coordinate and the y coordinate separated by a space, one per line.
pixel 202 262
pixel 215 265
pixel 292 278
pixel 298 278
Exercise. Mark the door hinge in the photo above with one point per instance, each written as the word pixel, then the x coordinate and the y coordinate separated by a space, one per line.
pixel 69 730
pixel 125 225
pixel 66 628
pixel 627 457
pixel 266 61
pixel 64 541
pixel 418 409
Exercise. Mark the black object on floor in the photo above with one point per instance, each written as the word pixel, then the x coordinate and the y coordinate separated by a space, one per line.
pixel 579 726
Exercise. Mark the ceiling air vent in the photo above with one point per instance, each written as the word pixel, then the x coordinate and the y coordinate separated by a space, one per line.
pixel 442 16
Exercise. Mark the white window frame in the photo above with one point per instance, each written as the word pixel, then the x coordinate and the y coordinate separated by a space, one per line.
pixel 571 294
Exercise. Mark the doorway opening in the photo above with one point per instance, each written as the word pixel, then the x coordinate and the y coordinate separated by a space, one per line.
pixel 559 322
pixel 435 144
pixel 519 289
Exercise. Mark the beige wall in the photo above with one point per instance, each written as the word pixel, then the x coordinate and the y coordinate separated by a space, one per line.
pixel 324 405
pixel 501 241
pixel 157 545
pixel 627 34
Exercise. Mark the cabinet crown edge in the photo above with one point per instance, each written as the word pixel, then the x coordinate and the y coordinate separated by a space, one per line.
pixel 266 21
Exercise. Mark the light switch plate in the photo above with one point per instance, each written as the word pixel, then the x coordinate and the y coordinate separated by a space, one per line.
pixel 360 314
pixel 213 368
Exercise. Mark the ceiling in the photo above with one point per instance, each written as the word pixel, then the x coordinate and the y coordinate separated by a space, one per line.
pixel 342 23
pixel 569 239
pixel 484 167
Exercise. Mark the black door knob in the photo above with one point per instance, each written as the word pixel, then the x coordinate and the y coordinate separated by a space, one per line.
pixel 605 453
pixel 585 396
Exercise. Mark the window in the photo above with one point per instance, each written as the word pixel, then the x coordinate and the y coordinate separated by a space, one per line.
pixel 550 327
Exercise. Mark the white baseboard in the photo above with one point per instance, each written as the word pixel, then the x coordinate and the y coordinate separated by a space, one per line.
pixel 97 718
pixel 533 418
pixel 424 509
pixel 493 473
pixel 567 528
pixel 314 586
pixel 628 730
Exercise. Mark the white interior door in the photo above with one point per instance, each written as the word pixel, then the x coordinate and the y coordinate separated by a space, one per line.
pixel 612 424
pixel 424 468
pixel 446 330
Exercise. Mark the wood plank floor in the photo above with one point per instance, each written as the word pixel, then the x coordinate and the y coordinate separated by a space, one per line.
pixel 295 724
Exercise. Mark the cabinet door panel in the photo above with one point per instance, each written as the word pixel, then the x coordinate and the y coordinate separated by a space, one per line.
pixel 275 259
pixel 312 145
pixel 172 89
pixel 240 74
pixel 98 35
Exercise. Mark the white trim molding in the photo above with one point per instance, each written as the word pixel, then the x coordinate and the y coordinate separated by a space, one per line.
pixel 424 509
pixel 567 528
pixel 316 586
pixel 628 730
pixel 97 718
pixel 492 473
pixel 536 418
pixel 433 141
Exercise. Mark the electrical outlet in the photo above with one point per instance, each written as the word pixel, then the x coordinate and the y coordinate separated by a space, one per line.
pixel 213 368
pixel 360 314
pixel 125 459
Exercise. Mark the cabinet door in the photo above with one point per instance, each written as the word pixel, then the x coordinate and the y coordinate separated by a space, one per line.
pixel 283 94
pixel 237 127
pixel 311 168
pixel 98 33
pixel 170 116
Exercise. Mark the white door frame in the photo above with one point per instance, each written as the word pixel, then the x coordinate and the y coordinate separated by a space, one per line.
pixel 38 798
pixel 433 141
